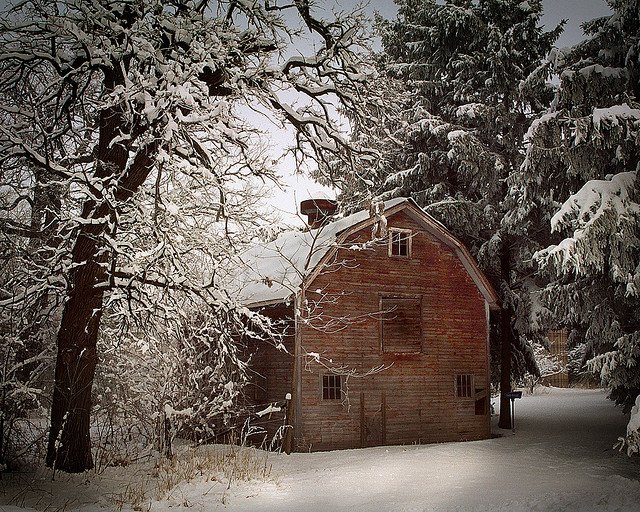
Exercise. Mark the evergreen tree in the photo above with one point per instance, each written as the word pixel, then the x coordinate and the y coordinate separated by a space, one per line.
pixel 581 176
pixel 468 70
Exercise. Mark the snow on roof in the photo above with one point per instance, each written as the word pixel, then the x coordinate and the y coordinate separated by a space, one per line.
pixel 320 194
pixel 272 272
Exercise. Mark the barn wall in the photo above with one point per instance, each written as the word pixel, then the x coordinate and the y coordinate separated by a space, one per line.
pixel 413 400
pixel 271 371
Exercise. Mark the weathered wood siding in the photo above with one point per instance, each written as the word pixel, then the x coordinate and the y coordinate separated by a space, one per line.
pixel 271 368
pixel 414 399
pixel 271 373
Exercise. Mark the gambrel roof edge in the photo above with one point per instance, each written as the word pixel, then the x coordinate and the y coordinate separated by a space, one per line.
pixel 438 230
pixel 332 237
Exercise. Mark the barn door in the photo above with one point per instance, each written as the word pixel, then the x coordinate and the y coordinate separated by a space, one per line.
pixel 372 419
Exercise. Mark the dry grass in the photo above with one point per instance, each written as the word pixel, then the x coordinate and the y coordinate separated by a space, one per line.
pixel 138 483
pixel 226 464
pixel 135 495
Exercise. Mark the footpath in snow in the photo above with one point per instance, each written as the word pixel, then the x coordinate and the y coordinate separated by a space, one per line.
pixel 560 459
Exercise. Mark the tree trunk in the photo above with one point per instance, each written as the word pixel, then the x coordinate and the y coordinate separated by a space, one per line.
pixel 505 342
pixel 69 447
pixel 505 368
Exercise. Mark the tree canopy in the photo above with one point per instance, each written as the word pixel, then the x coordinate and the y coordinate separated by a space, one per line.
pixel 127 150
pixel 581 176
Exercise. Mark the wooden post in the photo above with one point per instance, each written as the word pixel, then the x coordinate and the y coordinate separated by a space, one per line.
pixel 383 426
pixel 297 370
pixel 287 442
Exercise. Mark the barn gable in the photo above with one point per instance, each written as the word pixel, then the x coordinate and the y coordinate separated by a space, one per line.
pixel 273 273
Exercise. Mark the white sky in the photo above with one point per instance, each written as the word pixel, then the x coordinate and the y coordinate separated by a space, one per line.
pixel 300 187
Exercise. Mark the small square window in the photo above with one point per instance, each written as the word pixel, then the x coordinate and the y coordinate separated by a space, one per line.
pixel 464 386
pixel 332 387
pixel 400 243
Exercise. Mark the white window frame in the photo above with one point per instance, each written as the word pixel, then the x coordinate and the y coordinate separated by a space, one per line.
pixel 409 237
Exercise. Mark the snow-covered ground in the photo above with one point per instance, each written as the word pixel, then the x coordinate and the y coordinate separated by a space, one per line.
pixel 560 459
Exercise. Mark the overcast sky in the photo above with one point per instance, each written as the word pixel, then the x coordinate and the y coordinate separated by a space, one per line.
pixel 574 11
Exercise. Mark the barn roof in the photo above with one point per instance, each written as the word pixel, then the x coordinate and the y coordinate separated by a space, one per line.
pixel 273 272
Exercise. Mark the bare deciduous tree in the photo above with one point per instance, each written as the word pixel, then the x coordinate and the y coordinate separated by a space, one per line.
pixel 119 95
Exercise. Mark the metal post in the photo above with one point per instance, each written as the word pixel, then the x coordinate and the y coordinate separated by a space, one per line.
pixel 512 395
pixel 513 415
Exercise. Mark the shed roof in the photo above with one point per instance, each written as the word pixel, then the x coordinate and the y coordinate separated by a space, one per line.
pixel 273 272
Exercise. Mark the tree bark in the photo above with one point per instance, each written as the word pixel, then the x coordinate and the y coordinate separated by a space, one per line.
pixel 505 368
pixel 505 343
pixel 69 445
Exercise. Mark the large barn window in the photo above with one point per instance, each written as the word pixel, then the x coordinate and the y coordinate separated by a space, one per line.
pixel 400 242
pixel 401 322
pixel 464 386
pixel 332 387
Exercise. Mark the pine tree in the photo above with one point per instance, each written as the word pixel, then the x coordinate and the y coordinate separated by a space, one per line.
pixel 468 72
pixel 581 176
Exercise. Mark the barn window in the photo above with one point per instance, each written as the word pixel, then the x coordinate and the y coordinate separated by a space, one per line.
pixel 332 387
pixel 464 386
pixel 400 242
pixel 401 324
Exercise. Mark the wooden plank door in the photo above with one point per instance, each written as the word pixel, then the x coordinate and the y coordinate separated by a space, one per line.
pixel 372 419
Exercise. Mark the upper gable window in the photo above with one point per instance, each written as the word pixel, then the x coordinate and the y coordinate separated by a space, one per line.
pixel 400 243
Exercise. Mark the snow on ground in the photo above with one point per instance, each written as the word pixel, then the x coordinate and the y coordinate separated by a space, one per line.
pixel 560 459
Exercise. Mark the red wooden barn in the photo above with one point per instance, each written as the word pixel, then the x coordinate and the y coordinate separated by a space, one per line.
pixel 390 343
